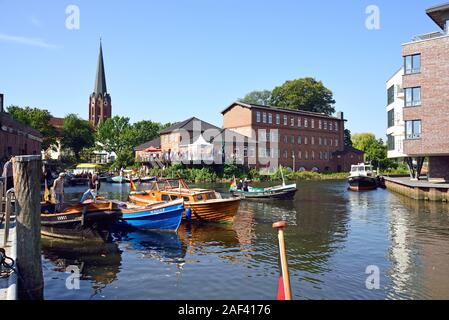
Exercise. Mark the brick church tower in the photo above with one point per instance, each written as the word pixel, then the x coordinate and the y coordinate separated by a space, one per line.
pixel 100 107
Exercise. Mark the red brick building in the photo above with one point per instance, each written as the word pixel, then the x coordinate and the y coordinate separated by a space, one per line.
pixel 426 87
pixel 296 139
pixel 16 138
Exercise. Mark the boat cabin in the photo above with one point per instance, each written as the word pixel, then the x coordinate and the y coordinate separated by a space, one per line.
pixel 362 169
pixel 174 189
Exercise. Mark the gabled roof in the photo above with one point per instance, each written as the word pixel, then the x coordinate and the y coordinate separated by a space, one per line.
pixel 188 125
pixel 349 149
pixel 100 79
pixel 153 143
pixel 271 108
pixel 439 14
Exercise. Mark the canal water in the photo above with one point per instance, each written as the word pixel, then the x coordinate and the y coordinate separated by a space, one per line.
pixel 340 245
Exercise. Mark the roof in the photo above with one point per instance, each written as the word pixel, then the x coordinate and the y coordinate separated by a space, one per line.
pixel 88 166
pixel 188 125
pixel 100 80
pixel 271 108
pixel 349 149
pixel 57 122
pixel 439 14
pixel 153 143
pixel 7 120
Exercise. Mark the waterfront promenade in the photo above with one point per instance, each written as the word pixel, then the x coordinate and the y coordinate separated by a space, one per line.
pixel 8 285
pixel 418 190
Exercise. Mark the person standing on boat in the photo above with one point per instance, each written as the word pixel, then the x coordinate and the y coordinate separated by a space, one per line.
pixel 8 174
pixel 58 189
pixel 94 186
pixel 240 185
pixel 245 185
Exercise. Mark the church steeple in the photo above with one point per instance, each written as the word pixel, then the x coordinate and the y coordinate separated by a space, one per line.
pixel 100 108
pixel 100 81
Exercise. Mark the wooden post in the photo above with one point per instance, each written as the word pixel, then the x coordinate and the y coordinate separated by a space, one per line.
pixel 280 226
pixel 27 176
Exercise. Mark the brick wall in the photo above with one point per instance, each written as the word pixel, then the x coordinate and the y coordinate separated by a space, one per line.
pixel 17 139
pixel 434 110
pixel 439 168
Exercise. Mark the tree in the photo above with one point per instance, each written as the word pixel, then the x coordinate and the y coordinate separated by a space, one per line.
pixel 77 134
pixel 146 130
pixel 305 94
pixel 363 141
pixel 37 119
pixel 347 138
pixel 258 97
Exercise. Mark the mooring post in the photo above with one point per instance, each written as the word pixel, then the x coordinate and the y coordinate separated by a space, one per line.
pixel 27 176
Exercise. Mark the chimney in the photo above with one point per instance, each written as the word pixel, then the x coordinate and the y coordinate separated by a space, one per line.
pixel 340 115
pixel 1 102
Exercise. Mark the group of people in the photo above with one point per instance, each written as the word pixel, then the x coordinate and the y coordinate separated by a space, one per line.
pixel 58 189
pixel 243 185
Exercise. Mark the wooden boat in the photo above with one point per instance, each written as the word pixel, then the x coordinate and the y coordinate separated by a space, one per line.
pixel 78 221
pixel 205 205
pixel 283 192
pixel 362 178
pixel 159 216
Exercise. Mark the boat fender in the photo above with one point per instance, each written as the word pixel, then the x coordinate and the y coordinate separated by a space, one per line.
pixel 188 214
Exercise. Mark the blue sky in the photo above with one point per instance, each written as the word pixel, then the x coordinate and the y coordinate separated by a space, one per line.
pixel 169 60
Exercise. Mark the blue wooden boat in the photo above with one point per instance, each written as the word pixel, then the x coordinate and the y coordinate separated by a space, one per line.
pixel 159 216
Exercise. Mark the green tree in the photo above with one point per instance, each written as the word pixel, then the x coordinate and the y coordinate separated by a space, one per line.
pixel 117 135
pixel 37 119
pixel 146 130
pixel 347 138
pixel 363 141
pixel 258 97
pixel 305 94
pixel 77 135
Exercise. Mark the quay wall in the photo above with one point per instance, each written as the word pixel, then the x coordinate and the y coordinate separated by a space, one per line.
pixel 426 193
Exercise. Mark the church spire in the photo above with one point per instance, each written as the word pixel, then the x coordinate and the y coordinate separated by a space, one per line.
pixel 100 81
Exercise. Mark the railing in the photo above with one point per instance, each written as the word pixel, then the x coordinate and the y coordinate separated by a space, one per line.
pixel 427 36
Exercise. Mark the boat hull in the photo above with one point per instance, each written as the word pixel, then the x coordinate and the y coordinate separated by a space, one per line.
pixel 78 221
pixel 215 210
pixel 276 193
pixel 167 217
pixel 362 183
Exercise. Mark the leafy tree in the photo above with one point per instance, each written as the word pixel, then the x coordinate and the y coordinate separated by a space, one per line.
pixel 258 97
pixel 77 134
pixel 305 94
pixel 37 119
pixel 347 138
pixel 376 150
pixel 146 130
pixel 363 141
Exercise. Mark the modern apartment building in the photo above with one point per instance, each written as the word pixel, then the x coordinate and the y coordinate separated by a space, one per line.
pixel 395 111
pixel 426 97
pixel 296 139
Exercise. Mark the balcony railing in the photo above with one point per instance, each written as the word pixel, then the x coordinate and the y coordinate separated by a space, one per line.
pixel 428 36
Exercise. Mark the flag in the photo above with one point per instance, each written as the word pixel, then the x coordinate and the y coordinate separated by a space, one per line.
pixel 234 183
pixel 133 186
pixel 46 192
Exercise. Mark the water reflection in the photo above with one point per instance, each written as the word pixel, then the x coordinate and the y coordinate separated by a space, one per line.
pixel 419 233
pixel 163 246
pixel 98 261
pixel 333 235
